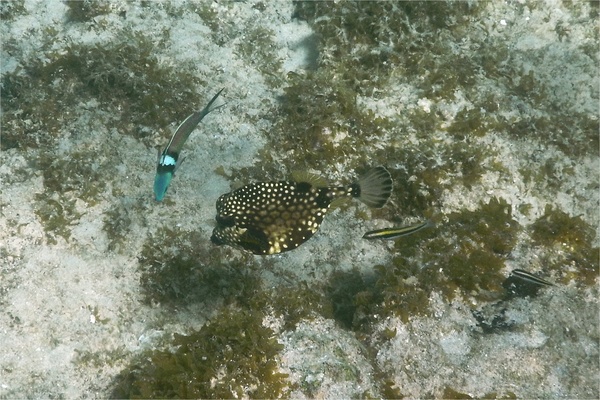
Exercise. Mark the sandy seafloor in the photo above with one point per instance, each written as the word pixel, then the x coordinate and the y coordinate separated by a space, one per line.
pixel 71 309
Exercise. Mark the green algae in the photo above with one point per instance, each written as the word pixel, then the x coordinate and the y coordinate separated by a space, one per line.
pixel 181 268
pixel 57 215
pixel 352 37
pixel 9 10
pixel 568 244
pixel 316 108
pixel 319 122
pixel 257 49
pixel 100 359
pixel 427 172
pixel 480 242
pixel 295 304
pixel 79 176
pixel 350 293
pixel 380 39
pixel 27 121
pixel 86 10
pixel 232 356
pixel 117 226
pixel 41 101
pixel 124 76
pixel 451 393
pixel 318 118
pixel 464 255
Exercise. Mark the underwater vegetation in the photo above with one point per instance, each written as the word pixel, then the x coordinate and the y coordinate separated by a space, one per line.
pixel 81 174
pixel 57 215
pixel 461 256
pixel 124 76
pixel 450 393
pixel 231 357
pixel 80 178
pixel 11 9
pixel 367 47
pixel 44 99
pixel 117 226
pixel 366 50
pixel 352 63
pixel 178 270
pixel 320 123
pixel 465 256
pixel 85 10
pixel 568 245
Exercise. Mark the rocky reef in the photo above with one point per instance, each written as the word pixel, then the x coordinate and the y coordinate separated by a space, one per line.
pixel 485 113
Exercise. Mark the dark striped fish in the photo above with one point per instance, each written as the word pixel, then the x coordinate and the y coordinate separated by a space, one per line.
pixel 167 161
pixel 521 283
pixel 394 233
pixel 273 217
pixel 529 278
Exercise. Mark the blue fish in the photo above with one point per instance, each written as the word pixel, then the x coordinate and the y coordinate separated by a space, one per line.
pixel 167 162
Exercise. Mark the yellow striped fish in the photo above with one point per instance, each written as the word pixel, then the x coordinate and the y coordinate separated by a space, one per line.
pixel 529 277
pixel 394 233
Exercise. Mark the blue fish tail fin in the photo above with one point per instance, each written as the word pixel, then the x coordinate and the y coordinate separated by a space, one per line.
pixel 211 106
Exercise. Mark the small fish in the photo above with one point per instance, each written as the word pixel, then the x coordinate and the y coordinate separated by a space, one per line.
pixel 529 278
pixel 522 284
pixel 167 160
pixel 274 217
pixel 394 233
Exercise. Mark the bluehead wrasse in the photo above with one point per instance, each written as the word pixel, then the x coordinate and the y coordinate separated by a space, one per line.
pixel 530 278
pixel 167 163
pixel 394 233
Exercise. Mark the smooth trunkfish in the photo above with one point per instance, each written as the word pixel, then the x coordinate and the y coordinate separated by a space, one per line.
pixel 274 217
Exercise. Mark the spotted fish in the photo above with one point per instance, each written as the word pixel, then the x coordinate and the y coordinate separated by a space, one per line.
pixel 274 217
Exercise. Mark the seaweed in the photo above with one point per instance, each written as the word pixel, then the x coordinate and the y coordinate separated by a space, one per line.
pixel 181 268
pixel 79 174
pixel 466 259
pixel 473 258
pixel 117 226
pixel 232 356
pixel 86 10
pixel 350 293
pixel 9 10
pixel 568 243
pixel 68 179
pixel 298 303
pixel 257 50
pixel 124 76
pixel 57 215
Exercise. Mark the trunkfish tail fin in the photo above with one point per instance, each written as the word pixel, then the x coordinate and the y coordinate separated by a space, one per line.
pixel 375 187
